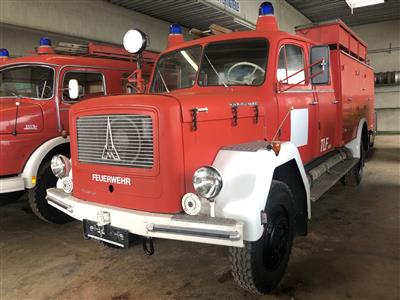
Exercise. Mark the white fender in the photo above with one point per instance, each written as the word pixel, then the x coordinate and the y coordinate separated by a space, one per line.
pixel 247 177
pixel 32 166
pixel 354 145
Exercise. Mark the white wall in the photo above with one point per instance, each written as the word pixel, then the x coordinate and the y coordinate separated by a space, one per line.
pixel 96 20
pixel 387 99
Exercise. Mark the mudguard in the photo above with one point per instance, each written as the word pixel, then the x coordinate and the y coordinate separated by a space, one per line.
pixel 32 166
pixel 354 145
pixel 247 171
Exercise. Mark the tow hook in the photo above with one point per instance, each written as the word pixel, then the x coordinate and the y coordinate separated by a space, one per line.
pixel 148 246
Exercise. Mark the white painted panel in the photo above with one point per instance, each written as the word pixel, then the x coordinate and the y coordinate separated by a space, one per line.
pixel 299 127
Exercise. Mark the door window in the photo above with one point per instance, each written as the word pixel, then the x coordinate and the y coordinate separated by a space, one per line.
pixel 291 61
pixel 90 85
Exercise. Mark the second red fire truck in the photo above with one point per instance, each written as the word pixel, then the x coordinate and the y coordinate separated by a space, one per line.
pixel 237 135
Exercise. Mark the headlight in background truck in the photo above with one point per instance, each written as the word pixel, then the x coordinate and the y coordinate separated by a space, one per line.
pixel 207 182
pixel 60 166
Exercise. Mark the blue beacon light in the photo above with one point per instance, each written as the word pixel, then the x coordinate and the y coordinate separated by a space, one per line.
pixel 266 9
pixel 4 52
pixel 44 41
pixel 175 29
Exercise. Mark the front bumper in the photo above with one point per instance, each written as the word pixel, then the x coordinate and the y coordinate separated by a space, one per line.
pixel 201 229
pixel 11 184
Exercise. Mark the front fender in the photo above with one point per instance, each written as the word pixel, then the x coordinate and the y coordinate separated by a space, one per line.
pixel 247 171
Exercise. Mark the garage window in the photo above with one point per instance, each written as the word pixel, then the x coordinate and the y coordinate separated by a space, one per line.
pixel 90 85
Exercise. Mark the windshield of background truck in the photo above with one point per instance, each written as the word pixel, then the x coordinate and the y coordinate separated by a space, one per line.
pixel 27 81
pixel 176 70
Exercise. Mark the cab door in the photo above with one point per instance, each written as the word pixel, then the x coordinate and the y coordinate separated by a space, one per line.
pixel 327 112
pixel 297 107
pixel 91 83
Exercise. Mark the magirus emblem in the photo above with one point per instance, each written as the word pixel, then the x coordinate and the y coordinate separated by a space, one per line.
pixel 109 150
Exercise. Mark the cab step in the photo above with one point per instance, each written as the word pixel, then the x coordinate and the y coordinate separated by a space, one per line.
pixel 331 177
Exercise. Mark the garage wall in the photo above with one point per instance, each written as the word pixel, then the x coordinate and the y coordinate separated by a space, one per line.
pixel 95 20
pixel 383 36
pixel 288 17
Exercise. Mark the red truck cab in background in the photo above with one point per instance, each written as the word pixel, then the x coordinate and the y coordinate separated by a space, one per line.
pixel 238 133
pixel 34 108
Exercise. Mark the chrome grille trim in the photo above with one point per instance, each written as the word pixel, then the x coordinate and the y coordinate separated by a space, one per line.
pixel 116 139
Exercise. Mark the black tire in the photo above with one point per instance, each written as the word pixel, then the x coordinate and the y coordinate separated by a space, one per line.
pixel 260 265
pixel 37 197
pixel 355 175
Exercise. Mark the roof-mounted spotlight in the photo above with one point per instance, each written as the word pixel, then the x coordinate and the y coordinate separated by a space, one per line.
pixel 135 41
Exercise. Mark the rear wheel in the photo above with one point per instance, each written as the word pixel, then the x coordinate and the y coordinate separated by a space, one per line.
pixel 260 265
pixel 37 197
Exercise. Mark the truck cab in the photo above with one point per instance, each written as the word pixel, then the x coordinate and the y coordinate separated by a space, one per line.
pixel 34 108
pixel 237 135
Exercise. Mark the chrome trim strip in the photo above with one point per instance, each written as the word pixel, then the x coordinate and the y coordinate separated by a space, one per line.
pixel 60 204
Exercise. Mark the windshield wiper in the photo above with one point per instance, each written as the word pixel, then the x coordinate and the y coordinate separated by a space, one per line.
pixel 163 80
pixel 216 72
pixel 16 95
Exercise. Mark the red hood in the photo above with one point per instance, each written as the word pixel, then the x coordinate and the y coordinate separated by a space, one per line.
pixel 30 116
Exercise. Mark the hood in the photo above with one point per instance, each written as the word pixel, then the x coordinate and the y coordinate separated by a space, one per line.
pixel 220 104
pixel 28 119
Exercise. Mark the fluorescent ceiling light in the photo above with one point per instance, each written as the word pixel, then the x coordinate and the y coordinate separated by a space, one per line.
pixel 361 3
pixel 190 60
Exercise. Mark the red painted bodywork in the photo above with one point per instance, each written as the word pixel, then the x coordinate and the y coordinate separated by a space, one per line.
pixel 180 150
pixel 15 149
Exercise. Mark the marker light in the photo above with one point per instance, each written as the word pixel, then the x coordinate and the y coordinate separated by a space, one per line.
pixel 175 29
pixel 207 182
pixel 4 52
pixel 45 41
pixel 135 41
pixel 266 9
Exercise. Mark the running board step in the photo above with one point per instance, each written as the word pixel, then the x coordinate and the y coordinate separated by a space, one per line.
pixel 329 179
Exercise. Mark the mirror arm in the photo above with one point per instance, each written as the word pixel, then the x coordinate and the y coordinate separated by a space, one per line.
pixel 280 83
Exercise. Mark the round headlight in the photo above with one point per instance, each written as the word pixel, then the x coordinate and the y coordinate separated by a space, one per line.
pixel 135 41
pixel 207 182
pixel 60 166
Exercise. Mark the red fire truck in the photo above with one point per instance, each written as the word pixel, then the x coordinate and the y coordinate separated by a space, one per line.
pixel 237 135
pixel 34 106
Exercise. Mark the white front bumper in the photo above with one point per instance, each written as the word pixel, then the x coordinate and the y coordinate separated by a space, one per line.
pixel 11 184
pixel 201 229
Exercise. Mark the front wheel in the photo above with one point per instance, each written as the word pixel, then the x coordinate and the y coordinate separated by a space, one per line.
pixel 260 265
pixel 37 197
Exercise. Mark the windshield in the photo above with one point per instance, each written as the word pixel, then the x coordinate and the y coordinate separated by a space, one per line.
pixel 27 81
pixel 235 62
pixel 176 70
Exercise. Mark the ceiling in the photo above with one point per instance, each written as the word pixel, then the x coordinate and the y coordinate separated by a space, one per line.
pixel 323 10
pixel 188 13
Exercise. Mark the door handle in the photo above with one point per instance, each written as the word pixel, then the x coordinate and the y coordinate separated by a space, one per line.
pixel 313 103
pixel 334 102
pixel 349 99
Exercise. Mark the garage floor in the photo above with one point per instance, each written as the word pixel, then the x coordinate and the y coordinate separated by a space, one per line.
pixel 351 252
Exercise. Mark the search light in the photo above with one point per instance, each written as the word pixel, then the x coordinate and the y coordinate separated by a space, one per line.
pixel 266 9
pixel 135 41
pixel 45 41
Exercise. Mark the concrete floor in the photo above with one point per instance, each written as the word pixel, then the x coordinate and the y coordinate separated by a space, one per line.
pixel 352 252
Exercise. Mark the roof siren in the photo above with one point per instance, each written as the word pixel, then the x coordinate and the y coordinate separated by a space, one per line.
pixel 4 54
pixel 266 19
pixel 175 36
pixel 45 46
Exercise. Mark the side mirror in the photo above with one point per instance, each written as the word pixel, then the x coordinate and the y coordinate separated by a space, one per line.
pixel 320 71
pixel 73 89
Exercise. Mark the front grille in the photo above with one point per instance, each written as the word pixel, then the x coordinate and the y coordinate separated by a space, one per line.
pixel 121 140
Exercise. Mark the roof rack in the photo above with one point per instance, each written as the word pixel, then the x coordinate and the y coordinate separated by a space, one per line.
pixel 100 51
